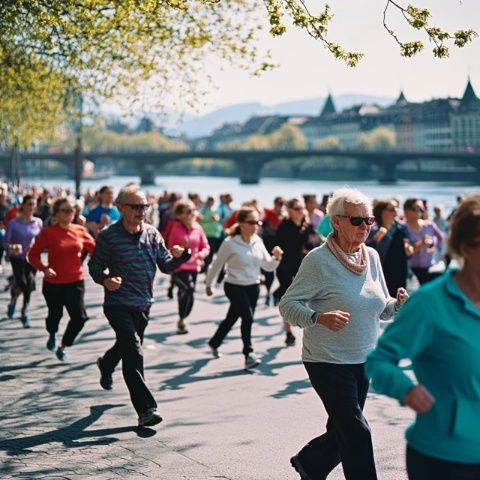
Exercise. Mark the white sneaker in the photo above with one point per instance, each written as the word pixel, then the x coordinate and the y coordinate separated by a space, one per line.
pixel 251 361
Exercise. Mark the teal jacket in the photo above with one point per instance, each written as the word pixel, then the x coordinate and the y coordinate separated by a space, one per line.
pixel 438 328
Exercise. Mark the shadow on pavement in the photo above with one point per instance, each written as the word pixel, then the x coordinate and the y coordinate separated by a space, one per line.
pixel 71 435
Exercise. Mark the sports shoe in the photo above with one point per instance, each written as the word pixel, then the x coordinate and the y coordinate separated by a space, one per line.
pixel 149 418
pixel 300 469
pixel 106 380
pixel 51 342
pixel 251 361
pixel 25 321
pixel 290 339
pixel 10 310
pixel 181 328
pixel 215 352
pixel 61 354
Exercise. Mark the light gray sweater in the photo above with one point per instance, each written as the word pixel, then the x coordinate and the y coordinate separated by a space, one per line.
pixel 323 284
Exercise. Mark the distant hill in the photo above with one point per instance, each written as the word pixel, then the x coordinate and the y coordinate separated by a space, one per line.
pixel 205 124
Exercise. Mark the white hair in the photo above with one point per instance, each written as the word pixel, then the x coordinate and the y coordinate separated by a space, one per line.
pixel 336 203
pixel 127 190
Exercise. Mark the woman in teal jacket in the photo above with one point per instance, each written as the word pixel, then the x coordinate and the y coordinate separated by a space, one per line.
pixel 439 330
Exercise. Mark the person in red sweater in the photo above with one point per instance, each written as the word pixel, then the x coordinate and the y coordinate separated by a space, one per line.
pixel 187 232
pixel 63 282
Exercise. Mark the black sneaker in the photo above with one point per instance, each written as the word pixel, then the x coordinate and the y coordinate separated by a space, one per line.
pixel 300 469
pixel 51 342
pixel 290 339
pixel 149 418
pixel 61 354
pixel 106 380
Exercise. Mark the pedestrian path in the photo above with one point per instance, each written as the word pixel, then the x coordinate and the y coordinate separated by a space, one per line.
pixel 220 422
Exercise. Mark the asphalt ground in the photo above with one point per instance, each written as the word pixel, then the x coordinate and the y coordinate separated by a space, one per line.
pixel 220 421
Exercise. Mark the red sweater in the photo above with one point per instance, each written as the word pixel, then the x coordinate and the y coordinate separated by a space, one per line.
pixel 65 247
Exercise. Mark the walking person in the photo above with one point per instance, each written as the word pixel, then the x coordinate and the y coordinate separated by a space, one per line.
pixel 338 297
pixel 244 254
pixel 124 263
pixel 391 240
pixel 425 237
pixel 294 236
pixel 438 330
pixel 210 222
pixel 19 236
pixel 186 232
pixel 63 277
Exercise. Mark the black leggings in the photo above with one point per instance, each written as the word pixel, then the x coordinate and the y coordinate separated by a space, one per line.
pixel 243 300
pixel 424 467
pixel 185 281
pixel 70 296
pixel 24 280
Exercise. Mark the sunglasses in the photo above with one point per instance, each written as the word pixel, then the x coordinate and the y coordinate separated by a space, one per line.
pixel 253 222
pixel 138 207
pixel 418 210
pixel 357 221
pixel 67 210
pixel 297 209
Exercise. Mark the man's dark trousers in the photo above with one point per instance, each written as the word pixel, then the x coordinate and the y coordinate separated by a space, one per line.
pixel 129 327
pixel 343 391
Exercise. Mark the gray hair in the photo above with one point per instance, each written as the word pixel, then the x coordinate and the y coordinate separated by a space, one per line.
pixel 127 190
pixel 336 203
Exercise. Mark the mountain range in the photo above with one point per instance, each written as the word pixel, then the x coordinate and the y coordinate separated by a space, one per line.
pixel 204 125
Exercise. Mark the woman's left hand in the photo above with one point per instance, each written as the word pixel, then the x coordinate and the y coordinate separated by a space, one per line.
pixel 277 252
pixel 402 296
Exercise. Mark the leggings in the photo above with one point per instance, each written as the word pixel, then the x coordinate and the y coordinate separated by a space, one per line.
pixel 24 275
pixel 185 281
pixel 243 300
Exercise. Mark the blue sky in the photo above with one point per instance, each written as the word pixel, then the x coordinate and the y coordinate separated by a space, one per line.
pixel 307 70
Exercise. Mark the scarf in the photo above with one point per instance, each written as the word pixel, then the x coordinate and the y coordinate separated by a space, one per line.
pixel 358 268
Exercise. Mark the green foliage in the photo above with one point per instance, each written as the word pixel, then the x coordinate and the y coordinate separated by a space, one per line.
pixel 419 19
pixel 380 138
pixel 287 137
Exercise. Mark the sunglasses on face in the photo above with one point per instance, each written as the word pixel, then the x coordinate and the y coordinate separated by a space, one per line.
pixel 418 210
pixel 253 222
pixel 66 210
pixel 138 207
pixel 297 209
pixel 357 221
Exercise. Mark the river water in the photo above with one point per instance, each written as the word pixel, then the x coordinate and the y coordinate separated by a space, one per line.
pixel 444 194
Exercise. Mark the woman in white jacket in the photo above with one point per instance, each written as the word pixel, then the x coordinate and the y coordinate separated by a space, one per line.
pixel 244 254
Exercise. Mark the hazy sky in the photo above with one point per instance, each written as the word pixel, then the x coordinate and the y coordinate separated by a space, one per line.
pixel 307 70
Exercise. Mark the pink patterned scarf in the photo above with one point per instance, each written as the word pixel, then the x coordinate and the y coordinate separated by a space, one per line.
pixel 360 267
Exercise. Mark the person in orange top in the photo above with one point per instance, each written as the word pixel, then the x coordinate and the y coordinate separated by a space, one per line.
pixel 63 282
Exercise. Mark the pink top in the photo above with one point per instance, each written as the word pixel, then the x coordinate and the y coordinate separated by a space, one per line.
pixel 193 238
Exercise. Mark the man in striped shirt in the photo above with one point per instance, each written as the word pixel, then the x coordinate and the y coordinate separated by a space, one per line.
pixel 125 260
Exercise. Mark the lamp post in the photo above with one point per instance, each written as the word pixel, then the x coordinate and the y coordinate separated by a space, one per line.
pixel 78 153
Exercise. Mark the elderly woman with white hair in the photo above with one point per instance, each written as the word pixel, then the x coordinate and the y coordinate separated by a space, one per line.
pixel 338 297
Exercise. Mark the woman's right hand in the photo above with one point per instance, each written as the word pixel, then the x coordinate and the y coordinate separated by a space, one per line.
pixel 209 291
pixel 49 272
pixel 335 320
pixel 112 283
pixel 419 399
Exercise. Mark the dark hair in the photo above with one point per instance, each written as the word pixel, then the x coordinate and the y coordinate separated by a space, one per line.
pixel 380 206
pixel 242 215
pixel 57 204
pixel 464 225
pixel 25 200
pixel 410 202
pixel 105 188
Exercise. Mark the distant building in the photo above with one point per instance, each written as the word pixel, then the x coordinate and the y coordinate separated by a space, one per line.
pixel 438 124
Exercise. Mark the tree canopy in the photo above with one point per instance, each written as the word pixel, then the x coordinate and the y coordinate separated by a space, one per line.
pixel 53 51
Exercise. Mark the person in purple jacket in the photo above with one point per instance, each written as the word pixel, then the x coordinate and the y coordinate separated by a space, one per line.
pixel 425 238
pixel 19 237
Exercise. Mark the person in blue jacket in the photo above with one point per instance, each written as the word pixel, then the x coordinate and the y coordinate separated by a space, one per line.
pixel 439 330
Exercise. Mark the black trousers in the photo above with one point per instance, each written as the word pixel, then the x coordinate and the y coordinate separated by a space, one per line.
pixel 343 391
pixel 243 300
pixel 68 295
pixel 422 274
pixel 24 276
pixel 185 281
pixel 129 327
pixel 424 467
pixel 269 279
pixel 285 278
pixel 214 246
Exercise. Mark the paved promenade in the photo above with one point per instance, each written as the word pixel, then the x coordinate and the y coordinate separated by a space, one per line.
pixel 220 422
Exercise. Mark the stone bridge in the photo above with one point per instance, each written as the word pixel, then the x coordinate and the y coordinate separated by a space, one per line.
pixel 382 164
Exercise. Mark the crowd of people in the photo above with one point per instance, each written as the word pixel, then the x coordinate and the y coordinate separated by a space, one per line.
pixel 341 266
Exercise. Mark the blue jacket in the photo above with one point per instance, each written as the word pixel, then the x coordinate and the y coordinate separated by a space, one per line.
pixel 438 328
